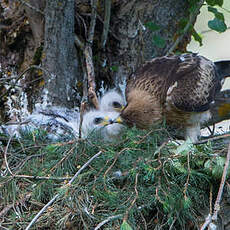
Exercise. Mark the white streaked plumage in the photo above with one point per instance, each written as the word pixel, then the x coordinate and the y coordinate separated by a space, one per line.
pixel 101 122
pixel 63 123
pixel 112 101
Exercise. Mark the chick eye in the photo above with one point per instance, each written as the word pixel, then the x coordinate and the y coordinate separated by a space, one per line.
pixel 97 120
pixel 116 104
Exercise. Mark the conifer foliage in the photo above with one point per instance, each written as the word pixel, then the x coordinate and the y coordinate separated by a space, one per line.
pixel 146 181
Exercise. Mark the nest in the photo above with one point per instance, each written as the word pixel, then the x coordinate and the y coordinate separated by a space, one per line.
pixel 146 181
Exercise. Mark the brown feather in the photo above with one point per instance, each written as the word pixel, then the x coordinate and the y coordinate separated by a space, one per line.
pixel 176 87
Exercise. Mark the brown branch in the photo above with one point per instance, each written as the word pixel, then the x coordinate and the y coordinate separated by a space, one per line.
pixel 186 28
pixel 82 111
pixel 31 7
pixel 106 23
pixel 134 200
pixel 220 192
pixel 57 195
pixel 38 177
pixel 93 97
pixel 90 67
pixel 188 177
pixel 213 218
pixel 91 76
pixel 5 156
pixel 213 138
pixel 94 4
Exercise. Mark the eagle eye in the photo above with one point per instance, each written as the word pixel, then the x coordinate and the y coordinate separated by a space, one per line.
pixel 116 104
pixel 97 120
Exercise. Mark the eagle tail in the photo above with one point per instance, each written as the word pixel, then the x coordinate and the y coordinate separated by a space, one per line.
pixel 223 68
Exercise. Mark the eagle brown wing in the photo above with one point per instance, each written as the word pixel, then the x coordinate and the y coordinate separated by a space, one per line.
pixel 187 81
pixel 196 85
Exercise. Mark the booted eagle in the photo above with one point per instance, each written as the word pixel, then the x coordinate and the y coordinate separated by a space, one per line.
pixel 179 89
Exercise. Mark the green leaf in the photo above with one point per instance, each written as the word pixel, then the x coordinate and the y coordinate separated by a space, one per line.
pixel 187 203
pixel 215 2
pixel 125 226
pixel 217 14
pixel 216 166
pixel 177 165
pixel 197 37
pixel 159 41
pixel 184 148
pixel 217 25
pixel 152 26
pixel 51 148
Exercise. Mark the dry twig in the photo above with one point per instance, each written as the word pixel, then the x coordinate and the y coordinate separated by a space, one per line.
pixel 134 200
pixel 106 23
pixel 32 7
pixel 213 218
pixel 57 195
pixel 82 111
pixel 107 220
pixel 213 138
pixel 5 156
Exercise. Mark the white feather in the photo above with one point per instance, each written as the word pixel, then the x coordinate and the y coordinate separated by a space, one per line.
pixel 108 132
pixel 106 103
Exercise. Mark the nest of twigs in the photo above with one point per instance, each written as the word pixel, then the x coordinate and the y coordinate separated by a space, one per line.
pixel 146 181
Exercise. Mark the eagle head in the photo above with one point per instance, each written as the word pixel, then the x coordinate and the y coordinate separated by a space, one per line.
pixel 141 110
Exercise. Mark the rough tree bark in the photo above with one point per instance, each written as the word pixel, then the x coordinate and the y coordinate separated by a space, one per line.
pixel 136 41
pixel 60 54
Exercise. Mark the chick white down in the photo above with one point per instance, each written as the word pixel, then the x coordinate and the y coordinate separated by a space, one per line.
pixel 62 122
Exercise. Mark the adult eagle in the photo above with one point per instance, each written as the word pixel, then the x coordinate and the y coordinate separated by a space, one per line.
pixel 179 89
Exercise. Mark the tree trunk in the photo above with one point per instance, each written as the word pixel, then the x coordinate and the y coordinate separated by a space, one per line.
pixel 137 42
pixel 60 54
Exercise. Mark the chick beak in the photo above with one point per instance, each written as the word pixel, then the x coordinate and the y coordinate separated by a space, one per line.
pixel 107 121
pixel 118 120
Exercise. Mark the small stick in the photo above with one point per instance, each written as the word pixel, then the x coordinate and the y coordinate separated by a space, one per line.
pixel 134 200
pixel 221 188
pixel 107 220
pixel 213 138
pixel 38 177
pixel 106 23
pixel 82 111
pixel 5 156
pixel 91 76
pixel 210 218
pixel 57 195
